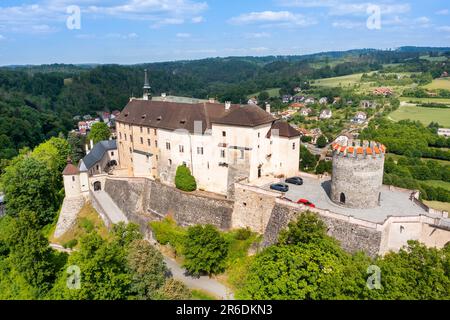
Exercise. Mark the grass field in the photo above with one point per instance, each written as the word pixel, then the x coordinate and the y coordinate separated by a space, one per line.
pixel 434 59
pixel 425 100
pixel 424 115
pixel 439 84
pixel 273 92
pixel 443 206
pixel 438 184
pixel 344 81
pixel 396 157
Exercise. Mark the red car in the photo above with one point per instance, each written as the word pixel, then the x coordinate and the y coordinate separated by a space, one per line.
pixel 306 203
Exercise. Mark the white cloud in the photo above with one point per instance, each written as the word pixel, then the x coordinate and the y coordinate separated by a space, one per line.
pixel 443 12
pixel 346 24
pixel 53 12
pixel 121 36
pixel 2 37
pixel 198 19
pixel 257 35
pixel 183 35
pixel 273 18
pixel 345 7
pixel 443 28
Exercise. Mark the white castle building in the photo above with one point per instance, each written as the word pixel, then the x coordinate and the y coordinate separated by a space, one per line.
pixel 220 143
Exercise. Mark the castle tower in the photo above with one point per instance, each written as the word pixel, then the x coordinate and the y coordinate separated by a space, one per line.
pixel 357 175
pixel 147 95
pixel 71 176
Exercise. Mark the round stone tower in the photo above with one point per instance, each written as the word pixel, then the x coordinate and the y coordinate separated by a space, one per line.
pixel 357 174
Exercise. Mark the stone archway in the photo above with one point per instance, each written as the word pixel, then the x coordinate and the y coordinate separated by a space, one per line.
pixel 97 186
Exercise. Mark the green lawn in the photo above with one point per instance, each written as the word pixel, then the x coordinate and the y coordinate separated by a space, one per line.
pixel 443 206
pixel 396 157
pixel 273 92
pixel 439 84
pixel 424 115
pixel 425 100
pixel 343 81
pixel 434 59
pixel 438 184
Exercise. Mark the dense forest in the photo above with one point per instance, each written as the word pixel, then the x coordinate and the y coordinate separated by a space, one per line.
pixel 38 102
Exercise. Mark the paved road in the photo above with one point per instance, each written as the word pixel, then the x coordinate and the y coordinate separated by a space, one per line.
pixel 113 212
pixel 204 283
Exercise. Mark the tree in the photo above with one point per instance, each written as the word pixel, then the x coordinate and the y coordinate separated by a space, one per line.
pixel 307 159
pixel 205 250
pixel 148 268
pixel 263 96
pixel 321 142
pixel 99 132
pixel 28 185
pixel 306 229
pixel 174 290
pixel 184 180
pixel 76 143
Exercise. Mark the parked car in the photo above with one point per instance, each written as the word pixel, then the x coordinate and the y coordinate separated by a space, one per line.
pixel 306 203
pixel 280 187
pixel 294 180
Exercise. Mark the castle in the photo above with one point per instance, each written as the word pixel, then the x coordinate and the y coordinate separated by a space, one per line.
pixel 235 152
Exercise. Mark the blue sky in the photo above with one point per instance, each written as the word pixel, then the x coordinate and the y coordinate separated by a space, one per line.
pixel 135 31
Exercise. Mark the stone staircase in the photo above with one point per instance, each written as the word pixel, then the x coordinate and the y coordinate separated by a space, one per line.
pixel 69 212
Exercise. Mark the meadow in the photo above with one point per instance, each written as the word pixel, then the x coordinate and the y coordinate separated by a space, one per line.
pixel 424 115
pixel 273 92
pixel 439 84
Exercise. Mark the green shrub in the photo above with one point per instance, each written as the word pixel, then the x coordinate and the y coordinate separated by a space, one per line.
pixel 243 234
pixel 87 225
pixel 70 244
pixel 167 232
pixel 184 180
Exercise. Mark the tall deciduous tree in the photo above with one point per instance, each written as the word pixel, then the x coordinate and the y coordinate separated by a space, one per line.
pixel 205 250
pixel 99 132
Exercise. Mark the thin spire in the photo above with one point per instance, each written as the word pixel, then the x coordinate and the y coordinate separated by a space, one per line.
pixel 146 83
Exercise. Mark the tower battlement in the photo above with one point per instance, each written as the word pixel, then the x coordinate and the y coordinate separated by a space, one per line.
pixel 359 149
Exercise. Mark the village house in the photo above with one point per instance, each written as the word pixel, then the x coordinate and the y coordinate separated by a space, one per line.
pixel 2 204
pixel 360 117
pixel 323 100
pixel 336 100
pixel 296 106
pixel 298 99
pixel 305 111
pixel 253 101
pixel 444 74
pixel 366 104
pixel 383 91
pixel 310 100
pixel 219 142
pixel 315 134
pixel 297 89
pixel 445 132
pixel 286 98
pixel 325 114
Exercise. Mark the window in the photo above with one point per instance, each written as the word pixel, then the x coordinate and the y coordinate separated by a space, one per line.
pixel 168 145
pixel 222 153
pixel 142 140
pixel 157 158
pixel 140 129
pixel 149 142
pixel 125 137
pixel 259 134
pixel 181 148
pixel 148 130
pixel 148 158
pixel 293 146
pixel 131 150
pixel 129 126
pixel 224 133
pixel 170 162
pixel 112 153
pixel 154 131
pixel 242 154
pixel 156 143
pixel 97 167
pixel 342 198
pixel 120 135
pixel 73 178
pixel 200 150
pixel 131 138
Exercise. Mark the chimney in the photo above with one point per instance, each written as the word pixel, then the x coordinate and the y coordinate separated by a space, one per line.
pixel 212 100
pixel 146 88
pixel 92 144
pixel 268 108
pixel 87 149
pixel 227 105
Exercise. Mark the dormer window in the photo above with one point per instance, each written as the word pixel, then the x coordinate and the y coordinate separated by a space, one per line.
pixel 159 118
pixel 144 116
pixel 183 121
